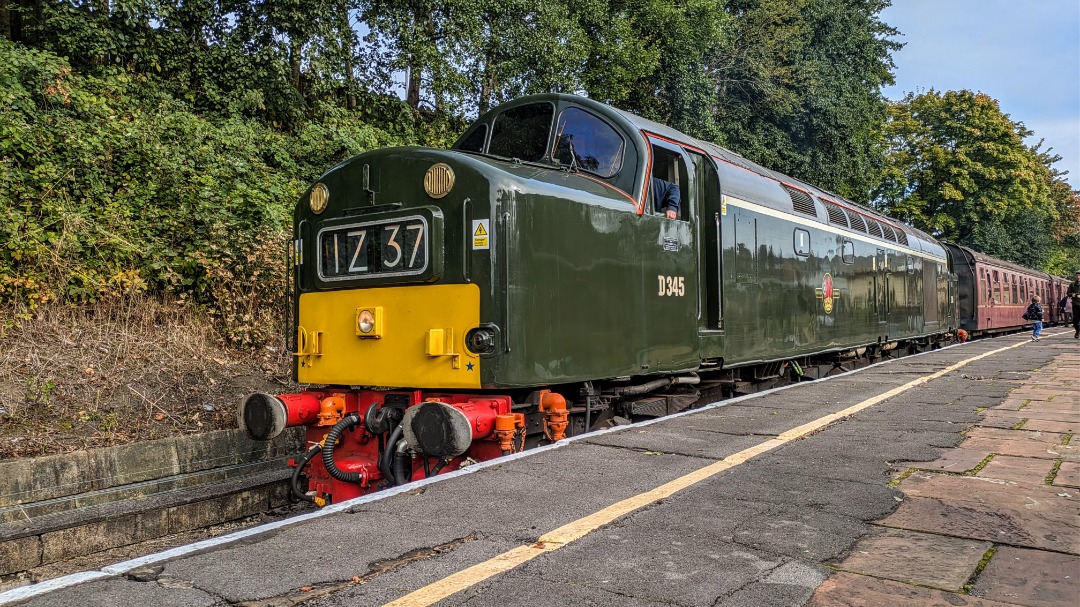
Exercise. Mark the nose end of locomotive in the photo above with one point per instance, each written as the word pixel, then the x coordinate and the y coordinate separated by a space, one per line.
pixel 262 416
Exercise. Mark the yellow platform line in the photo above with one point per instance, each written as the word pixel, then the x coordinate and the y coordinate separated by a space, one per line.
pixel 575 530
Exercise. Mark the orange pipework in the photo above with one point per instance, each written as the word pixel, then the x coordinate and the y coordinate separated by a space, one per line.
pixel 556 417
pixel 506 426
pixel 331 410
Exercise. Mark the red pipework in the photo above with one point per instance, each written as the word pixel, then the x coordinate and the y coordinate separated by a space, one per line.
pixel 357 450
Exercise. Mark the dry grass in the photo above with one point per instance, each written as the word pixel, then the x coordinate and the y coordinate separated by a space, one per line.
pixel 121 371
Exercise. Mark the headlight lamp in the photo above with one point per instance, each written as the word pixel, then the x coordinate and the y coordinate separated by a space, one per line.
pixel 365 322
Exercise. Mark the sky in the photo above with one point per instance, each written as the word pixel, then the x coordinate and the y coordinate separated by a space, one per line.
pixel 1024 53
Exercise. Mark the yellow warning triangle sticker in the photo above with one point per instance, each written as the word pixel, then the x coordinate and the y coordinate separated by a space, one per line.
pixel 480 231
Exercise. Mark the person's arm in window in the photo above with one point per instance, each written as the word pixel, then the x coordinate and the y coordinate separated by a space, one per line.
pixel 666 198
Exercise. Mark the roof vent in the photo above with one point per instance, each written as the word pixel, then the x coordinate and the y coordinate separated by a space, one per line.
pixel 857 222
pixel 801 201
pixel 875 228
pixel 837 215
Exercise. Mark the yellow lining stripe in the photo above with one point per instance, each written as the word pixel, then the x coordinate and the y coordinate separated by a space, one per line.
pixel 575 530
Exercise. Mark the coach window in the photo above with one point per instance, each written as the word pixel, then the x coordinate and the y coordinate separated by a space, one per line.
pixel 522 132
pixel 997 287
pixel 589 143
pixel 849 252
pixel 802 243
pixel 910 265
pixel 1015 292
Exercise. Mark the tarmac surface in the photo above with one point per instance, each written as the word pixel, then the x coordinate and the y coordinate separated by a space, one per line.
pixel 944 479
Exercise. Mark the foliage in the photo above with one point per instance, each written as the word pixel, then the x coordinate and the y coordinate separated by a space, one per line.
pixel 800 88
pixel 958 168
pixel 113 186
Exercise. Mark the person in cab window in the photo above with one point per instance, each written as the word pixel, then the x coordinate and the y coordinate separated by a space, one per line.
pixel 666 197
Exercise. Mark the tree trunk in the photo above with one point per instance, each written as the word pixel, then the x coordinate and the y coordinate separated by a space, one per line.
pixel 295 49
pixel 412 94
pixel 346 34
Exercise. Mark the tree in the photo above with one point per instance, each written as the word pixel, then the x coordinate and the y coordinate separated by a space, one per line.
pixel 958 167
pixel 799 88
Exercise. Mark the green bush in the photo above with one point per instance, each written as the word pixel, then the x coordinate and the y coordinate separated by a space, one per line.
pixel 111 185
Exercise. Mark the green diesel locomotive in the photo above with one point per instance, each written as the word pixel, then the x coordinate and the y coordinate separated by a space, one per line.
pixel 456 305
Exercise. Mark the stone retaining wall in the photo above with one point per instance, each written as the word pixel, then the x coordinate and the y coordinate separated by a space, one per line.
pixel 61 506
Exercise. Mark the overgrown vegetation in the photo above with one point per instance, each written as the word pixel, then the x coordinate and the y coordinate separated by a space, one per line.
pixel 123 370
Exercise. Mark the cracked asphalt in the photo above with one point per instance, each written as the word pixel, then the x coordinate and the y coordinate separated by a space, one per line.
pixel 763 533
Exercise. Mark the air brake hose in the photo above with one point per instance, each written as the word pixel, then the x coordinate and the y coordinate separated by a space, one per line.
pixel 386 455
pixel 294 481
pixel 332 436
pixel 402 466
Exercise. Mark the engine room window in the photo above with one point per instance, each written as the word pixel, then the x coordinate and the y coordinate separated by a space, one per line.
pixel 802 242
pixel 588 142
pixel 522 132
pixel 849 252
pixel 475 141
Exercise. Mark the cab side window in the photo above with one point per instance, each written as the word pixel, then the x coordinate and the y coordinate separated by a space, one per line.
pixel 666 190
pixel 474 142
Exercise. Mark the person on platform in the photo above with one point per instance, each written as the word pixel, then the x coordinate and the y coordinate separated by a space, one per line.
pixel 1074 295
pixel 1034 313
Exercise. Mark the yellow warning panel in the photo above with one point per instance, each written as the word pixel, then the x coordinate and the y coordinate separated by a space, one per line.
pixel 421 344
pixel 481 234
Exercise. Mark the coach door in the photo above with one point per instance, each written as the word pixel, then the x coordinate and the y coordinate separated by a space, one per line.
pixel 881 285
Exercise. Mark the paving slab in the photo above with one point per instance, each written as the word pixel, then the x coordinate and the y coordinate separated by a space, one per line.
pixel 1022 448
pixel 852 590
pixel 1049 531
pixel 1068 475
pixel 955 461
pixel 1034 578
pixel 1025 435
pixel 917 558
pixel 1018 469
pixel 1031 415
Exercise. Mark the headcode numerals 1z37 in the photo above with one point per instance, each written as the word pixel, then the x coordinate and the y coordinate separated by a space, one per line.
pixel 671 286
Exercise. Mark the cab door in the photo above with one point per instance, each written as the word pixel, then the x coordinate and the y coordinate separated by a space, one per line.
pixel 712 214
pixel 669 265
